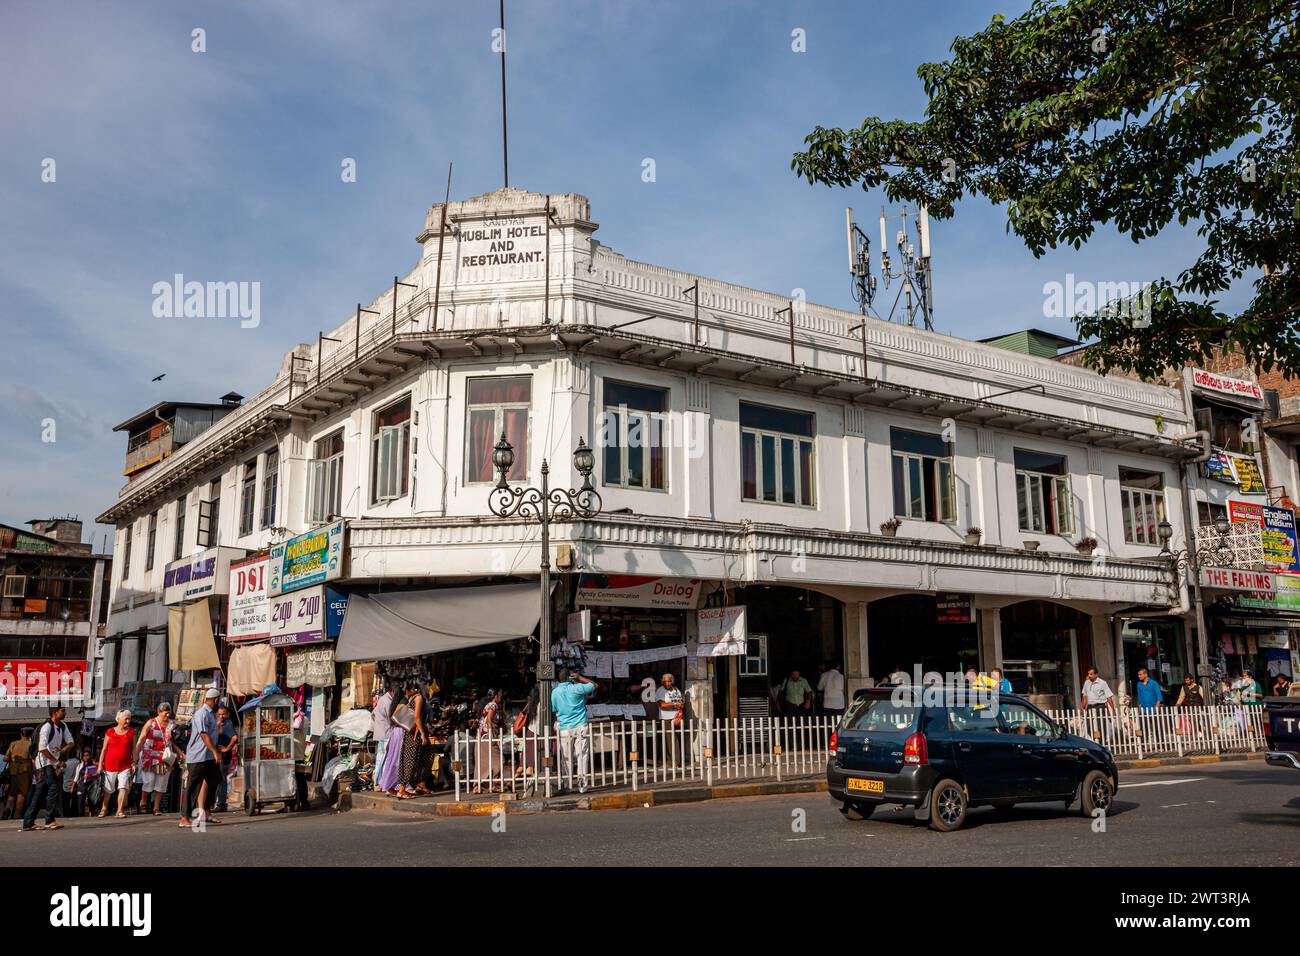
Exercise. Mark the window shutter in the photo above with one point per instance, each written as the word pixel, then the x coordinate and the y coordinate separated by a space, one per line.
pixel 316 484
pixel 389 472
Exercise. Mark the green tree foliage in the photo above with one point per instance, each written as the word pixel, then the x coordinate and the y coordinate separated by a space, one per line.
pixel 1134 113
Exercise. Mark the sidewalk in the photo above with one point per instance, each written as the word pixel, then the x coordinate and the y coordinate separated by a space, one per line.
pixel 664 794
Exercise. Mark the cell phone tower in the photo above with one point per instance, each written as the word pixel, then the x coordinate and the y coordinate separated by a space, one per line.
pixel 917 289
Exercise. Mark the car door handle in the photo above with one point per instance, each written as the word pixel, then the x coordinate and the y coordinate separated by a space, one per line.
pixel 963 746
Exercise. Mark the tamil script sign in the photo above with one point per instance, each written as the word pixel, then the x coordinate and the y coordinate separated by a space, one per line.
pixel 1238 388
pixel 205 575
pixel 1249 478
pixel 311 558
pixel 1284 597
pixel 632 590
pixel 722 632
pixel 298 618
pixel 247 614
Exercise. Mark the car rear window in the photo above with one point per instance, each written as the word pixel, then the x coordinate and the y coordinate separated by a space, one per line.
pixel 881 714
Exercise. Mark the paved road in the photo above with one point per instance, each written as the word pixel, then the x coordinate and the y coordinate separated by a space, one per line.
pixel 1239 814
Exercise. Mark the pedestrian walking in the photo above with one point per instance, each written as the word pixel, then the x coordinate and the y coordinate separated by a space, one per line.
pixel 53 741
pixel 417 754
pixel 831 686
pixel 795 695
pixel 1098 700
pixel 71 778
pixel 381 722
pixel 569 704
pixel 401 724
pixel 203 762
pixel 116 757
pixel 227 743
pixel 156 756
pixel 487 756
pixel 20 756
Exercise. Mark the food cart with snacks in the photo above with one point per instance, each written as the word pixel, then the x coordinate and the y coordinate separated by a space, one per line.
pixel 267 754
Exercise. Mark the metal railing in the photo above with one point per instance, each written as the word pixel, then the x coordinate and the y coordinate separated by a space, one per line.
pixel 634 754
pixel 1170 731
pixel 615 754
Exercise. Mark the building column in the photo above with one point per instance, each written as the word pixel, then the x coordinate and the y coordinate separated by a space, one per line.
pixel 857 665
pixel 1103 648
pixel 990 630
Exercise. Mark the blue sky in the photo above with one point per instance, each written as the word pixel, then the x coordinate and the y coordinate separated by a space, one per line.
pixel 225 166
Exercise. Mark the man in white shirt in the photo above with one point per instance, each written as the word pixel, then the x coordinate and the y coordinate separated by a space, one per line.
pixel 1097 700
pixel 831 686
pixel 53 740
pixel 671 703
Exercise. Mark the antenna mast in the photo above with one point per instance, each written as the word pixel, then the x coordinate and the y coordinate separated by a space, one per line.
pixel 864 283
pixel 917 290
pixel 505 138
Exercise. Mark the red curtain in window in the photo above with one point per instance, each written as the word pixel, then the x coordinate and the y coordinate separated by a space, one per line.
pixel 481 442
pixel 499 391
pixel 516 424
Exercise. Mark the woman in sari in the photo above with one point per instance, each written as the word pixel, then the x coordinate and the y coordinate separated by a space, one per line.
pixel 403 722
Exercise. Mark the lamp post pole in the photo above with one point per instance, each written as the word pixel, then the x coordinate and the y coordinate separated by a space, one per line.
pixel 544 504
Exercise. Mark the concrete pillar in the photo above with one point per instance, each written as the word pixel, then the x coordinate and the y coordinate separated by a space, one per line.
pixel 857 664
pixel 1103 648
pixel 990 630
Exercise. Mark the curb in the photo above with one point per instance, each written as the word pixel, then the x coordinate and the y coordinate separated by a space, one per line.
pixel 1185 761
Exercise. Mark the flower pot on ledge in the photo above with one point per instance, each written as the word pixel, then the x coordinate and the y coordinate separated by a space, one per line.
pixel 1030 545
pixel 973 539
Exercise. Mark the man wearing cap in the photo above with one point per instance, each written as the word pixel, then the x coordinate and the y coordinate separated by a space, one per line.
pixel 202 759
pixel 19 755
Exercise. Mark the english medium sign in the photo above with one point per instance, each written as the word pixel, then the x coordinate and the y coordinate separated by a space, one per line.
pixel 311 558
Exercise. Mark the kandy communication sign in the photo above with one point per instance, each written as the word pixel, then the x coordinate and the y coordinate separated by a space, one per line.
pixel 638 590
pixel 311 558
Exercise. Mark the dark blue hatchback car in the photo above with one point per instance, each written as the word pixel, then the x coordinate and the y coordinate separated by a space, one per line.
pixel 942 751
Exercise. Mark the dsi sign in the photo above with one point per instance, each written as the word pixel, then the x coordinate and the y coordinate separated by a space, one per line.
pixel 311 558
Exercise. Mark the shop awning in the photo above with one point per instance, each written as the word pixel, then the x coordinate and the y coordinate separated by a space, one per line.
pixel 380 627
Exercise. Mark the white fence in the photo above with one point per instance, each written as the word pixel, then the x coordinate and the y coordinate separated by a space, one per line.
pixel 1171 732
pixel 636 753
pixel 623 754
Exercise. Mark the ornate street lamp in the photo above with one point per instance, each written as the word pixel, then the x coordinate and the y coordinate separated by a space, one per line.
pixel 1219 553
pixel 545 504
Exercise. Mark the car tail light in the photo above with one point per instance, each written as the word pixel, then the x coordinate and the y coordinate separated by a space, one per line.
pixel 835 738
pixel 914 750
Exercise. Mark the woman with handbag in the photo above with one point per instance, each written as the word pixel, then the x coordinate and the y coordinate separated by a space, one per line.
pixel 155 757
pixel 402 727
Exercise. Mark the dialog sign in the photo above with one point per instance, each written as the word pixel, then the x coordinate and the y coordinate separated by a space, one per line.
pixel 298 618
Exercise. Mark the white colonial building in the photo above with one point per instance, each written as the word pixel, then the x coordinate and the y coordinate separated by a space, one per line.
pixel 748 448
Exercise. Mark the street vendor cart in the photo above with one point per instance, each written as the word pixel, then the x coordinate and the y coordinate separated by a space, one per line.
pixel 267 754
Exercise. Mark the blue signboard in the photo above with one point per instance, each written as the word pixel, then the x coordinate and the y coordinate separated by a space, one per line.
pixel 1278 534
pixel 336 605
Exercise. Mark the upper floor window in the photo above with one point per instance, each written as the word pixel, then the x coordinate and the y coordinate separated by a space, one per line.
pixel 496 406
pixel 1142 499
pixel 325 479
pixel 126 551
pixel 922 473
pixel 634 435
pixel 178 542
pixel 150 543
pixel 210 516
pixel 270 486
pixel 248 497
pixel 391 451
pixel 776 455
pixel 1042 492
pixel 1230 428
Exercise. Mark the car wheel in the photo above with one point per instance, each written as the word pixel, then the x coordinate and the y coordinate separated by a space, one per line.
pixel 857 811
pixel 947 806
pixel 1095 794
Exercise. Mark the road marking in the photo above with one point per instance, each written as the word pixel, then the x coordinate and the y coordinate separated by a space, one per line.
pixel 1160 783
pixel 800 839
pixel 1169 806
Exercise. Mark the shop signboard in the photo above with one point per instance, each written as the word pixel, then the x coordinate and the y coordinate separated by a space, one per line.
pixel 1232 579
pixel 722 632
pixel 30 682
pixel 1275 640
pixel 1249 479
pixel 298 618
pixel 1284 596
pixel 336 608
pixel 1219 467
pixel 206 574
pixel 1245 512
pixel 1279 539
pixel 307 559
pixel 1223 385
pixel 247 610
pixel 310 665
pixel 954 608
pixel 634 590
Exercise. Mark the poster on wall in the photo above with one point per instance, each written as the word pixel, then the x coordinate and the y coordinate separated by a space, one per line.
pixel 1219 467
pixel 1279 539
pixel 722 632
pixel 579 629
pixel 247 611
pixel 1248 475
pixel 1245 512
pixel 311 558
